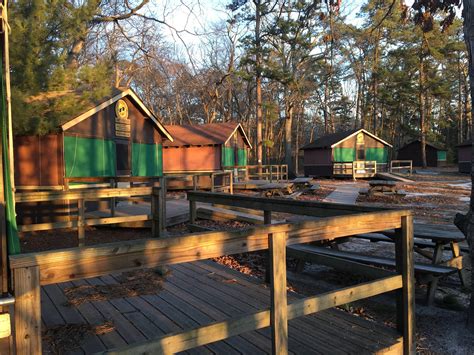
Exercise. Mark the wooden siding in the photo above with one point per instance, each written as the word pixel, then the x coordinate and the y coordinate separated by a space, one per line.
pixel 204 158
pixel 38 160
pixel 412 152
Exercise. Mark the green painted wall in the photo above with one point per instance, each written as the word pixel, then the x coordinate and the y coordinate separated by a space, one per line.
pixel 228 156
pixel 380 155
pixel 242 157
pixel 147 159
pixel 89 157
pixel 441 155
pixel 344 155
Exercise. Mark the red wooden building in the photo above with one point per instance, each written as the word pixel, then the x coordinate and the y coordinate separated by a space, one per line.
pixel 205 148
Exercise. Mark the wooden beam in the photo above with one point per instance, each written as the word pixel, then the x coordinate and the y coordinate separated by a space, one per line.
pixel 87 194
pixel 406 295
pixel 76 263
pixel 81 231
pixel 27 316
pixel 278 308
pixel 156 218
pixel 176 342
pixel 87 222
pixel 309 208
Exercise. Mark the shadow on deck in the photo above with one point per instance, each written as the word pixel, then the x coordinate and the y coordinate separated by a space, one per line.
pixel 199 293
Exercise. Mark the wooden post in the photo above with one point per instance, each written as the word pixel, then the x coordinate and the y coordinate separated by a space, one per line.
pixel 113 184
pixel 212 182
pixel 231 183
pixel 246 173
pixel 195 182
pixel 27 310
pixel 406 295
pixel 278 308
pixel 267 219
pixel 162 208
pixel 81 232
pixel 156 221
pixel 192 211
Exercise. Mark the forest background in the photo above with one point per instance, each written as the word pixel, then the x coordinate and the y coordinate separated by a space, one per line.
pixel 289 71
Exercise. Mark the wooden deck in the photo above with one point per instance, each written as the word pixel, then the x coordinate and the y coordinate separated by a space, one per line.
pixel 202 292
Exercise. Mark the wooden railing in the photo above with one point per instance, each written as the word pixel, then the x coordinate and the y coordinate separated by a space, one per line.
pixel 401 167
pixel 30 271
pixel 270 172
pixel 158 208
pixel 225 184
pixel 355 169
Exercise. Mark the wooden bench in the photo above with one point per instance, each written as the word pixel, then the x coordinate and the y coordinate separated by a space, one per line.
pixel 330 257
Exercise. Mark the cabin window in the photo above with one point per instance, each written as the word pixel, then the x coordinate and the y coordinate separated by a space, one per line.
pixel 122 149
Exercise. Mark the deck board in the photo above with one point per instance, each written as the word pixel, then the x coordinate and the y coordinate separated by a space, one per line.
pixel 202 292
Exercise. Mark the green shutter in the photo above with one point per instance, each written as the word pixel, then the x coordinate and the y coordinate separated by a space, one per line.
pixel 147 159
pixel 228 156
pixel 242 157
pixel 89 157
pixel 344 155
pixel 441 155
pixel 380 155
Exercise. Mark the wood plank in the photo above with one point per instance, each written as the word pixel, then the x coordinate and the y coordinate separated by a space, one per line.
pixel 27 317
pixel 318 209
pixel 278 307
pixel 87 194
pixel 375 260
pixel 404 248
pixel 338 263
pixel 220 330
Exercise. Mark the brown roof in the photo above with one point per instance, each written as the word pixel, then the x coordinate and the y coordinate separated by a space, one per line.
pixel 205 134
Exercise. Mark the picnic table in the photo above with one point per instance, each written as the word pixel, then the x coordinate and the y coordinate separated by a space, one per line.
pixel 430 241
pixel 435 237
pixel 276 189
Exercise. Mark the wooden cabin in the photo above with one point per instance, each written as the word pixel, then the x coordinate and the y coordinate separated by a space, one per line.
pixel 464 156
pixel 355 153
pixel 436 156
pixel 205 148
pixel 119 136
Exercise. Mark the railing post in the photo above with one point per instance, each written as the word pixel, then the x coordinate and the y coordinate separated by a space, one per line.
pixel 195 182
pixel 231 183
pixel 212 182
pixel 27 310
pixel 81 222
pixel 278 308
pixel 267 219
pixel 406 295
pixel 113 184
pixel 163 193
pixel 156 218
pixel 192 211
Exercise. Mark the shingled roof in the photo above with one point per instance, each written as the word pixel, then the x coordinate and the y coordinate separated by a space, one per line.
pixel 205 134
pixel 330 140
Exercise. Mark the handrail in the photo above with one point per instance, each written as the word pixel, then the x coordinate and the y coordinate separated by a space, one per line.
pixel 36 269
pixel 158 208
pixel 401 165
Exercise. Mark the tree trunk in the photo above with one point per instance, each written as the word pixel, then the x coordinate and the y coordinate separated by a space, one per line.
pixel 288 140
pixel 466 222
pixel 421 102
pixel 258 83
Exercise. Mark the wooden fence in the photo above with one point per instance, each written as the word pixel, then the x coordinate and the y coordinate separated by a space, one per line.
pixel 401 167
pixel 270 172
pixel 157 216
pixel 30 271
pixel 220 181
pixel 356 169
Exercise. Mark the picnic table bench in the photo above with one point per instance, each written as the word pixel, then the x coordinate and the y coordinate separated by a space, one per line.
pixel 435 237
pixel 438 238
